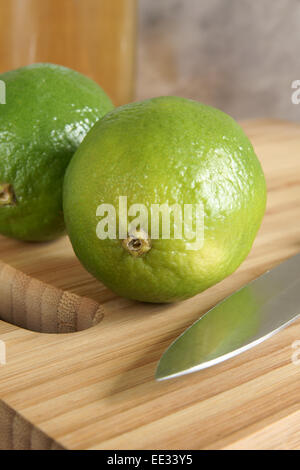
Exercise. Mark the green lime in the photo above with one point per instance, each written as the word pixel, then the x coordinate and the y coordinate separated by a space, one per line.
pixel 163 152
pixel 49 109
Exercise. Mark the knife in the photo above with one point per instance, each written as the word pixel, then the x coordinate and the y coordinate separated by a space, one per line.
pixel 241 321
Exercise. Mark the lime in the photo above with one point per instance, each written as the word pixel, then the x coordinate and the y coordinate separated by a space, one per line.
pixel 49 110
pixel 163 152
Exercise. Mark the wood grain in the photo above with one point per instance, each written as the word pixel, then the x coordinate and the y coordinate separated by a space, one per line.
pixel 37 306
pixel 18 434
pixel 95 389
pixel 95 37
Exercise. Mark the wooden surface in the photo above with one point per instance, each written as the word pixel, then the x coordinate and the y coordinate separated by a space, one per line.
pixel 95 389
pixel 37 306
pixel 95 37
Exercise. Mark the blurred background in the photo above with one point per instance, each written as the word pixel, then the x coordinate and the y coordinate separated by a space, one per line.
pixel 238 55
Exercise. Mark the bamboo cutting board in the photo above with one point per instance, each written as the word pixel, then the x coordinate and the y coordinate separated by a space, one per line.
pixel 95 389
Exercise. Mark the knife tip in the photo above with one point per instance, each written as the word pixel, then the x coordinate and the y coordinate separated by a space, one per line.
pixel 160 373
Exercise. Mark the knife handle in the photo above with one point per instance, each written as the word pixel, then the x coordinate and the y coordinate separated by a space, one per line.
pixel 37 306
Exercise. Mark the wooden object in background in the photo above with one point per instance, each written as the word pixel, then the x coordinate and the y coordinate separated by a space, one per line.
pixel 34 305
pixel 95 37
pixel 95 389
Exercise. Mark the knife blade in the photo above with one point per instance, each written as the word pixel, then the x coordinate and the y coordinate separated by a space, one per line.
pixel 241 321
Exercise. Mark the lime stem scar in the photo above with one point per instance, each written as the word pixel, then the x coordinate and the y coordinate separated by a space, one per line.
pixel 7 195
pixel 137 243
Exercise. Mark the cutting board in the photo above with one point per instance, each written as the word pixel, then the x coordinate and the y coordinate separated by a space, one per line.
pixel 95 389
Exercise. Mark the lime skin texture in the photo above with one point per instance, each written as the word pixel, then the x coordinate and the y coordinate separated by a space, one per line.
pixel 49 109
pixel 165 150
